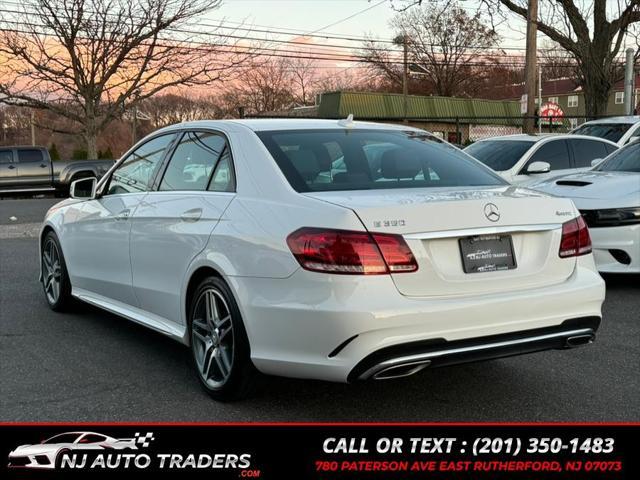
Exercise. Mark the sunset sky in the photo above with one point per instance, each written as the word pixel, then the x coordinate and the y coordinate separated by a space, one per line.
pixel 311 15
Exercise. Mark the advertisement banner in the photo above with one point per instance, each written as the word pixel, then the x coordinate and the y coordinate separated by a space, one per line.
pixel 322 451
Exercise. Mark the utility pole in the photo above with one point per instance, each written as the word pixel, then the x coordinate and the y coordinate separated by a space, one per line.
pixel 629 83
pixel 405 78
pixel 530 64
pixel 33 128
pixel 134 124
pixel 540 100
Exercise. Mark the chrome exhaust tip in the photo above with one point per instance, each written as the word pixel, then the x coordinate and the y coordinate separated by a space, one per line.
pixel 402 370
pixel 579 340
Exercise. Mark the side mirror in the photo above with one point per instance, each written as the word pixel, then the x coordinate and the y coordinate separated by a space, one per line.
pixel 84 188
pixel 538 167
pixel 596 161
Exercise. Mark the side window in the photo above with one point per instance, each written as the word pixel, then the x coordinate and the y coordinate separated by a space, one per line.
pixel 223 179
pixel 609 148
pixel 136 173
pixel 92 438
pixel 555 153
pixel 585 151
pixel 6 156
pixel 192 162
pixel 29 156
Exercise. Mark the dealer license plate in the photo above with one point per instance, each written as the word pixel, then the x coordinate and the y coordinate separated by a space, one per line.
pixel 487 253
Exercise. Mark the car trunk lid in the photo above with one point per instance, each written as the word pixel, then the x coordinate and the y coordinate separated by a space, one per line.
pixel 434 221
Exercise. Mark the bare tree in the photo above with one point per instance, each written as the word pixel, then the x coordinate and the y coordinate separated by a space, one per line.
pixel 592 32
pixel 264 86
pixel 557 62
pixel 382 63
pixel 91 60
pixel 15 124
pixel 448 46
pixel 171 108
pixel 303 75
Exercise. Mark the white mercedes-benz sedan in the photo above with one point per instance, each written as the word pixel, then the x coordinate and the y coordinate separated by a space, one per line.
pixel 609 199
pixel 322 249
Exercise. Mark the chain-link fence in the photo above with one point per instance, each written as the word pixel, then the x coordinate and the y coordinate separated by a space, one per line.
pixel 463 130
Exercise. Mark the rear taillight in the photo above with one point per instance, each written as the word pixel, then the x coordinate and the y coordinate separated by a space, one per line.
pixel 575 240
pixel 354 253
pixel 396 253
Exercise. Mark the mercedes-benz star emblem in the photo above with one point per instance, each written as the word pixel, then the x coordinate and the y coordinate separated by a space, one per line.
pixel 491 212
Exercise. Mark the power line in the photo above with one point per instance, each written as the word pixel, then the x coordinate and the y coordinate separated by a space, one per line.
pixel 279 31
pixel 207 48
pixel 325 50
pixel 371 7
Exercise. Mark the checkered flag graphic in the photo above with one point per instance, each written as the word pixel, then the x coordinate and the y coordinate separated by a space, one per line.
pixel 144 440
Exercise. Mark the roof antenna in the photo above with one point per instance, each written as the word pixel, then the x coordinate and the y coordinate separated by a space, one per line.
pixel 347 122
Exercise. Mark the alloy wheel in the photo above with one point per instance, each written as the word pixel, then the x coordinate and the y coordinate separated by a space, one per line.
pixel 51 271
pixel 212 338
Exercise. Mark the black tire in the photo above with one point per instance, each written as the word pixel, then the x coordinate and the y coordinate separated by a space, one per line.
pixel 242 377
pixel 62 299
pixel 58 461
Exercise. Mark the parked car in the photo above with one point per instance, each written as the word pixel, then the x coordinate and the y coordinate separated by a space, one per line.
pixel 48 454
pixel 525 159
pixel 30 169
pixel 608 198
pixel 620 130
pixel 269 264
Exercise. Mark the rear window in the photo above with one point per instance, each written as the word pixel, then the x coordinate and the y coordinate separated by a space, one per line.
pixel 499 155
pixel 328 160
pixel 610 131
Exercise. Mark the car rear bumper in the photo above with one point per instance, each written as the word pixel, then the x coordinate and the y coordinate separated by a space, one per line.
pixel 320 326
pixel 617 249
pixel 407 359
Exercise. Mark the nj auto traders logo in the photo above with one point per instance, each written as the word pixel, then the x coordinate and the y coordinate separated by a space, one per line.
pixel 96 451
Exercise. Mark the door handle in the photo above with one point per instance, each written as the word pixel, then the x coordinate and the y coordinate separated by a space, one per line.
pixel 192 215
pixel 42 165
pixel 123 214
pixel 11 167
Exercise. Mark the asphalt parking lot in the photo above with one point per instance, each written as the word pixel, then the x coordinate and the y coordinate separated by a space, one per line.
pixel 89 365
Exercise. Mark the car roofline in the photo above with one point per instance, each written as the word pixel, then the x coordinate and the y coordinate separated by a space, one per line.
pixel 632 119
pixel 544 137
pixel 268 124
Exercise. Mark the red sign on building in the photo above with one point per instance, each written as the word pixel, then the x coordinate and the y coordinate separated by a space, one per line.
pixel 551 114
